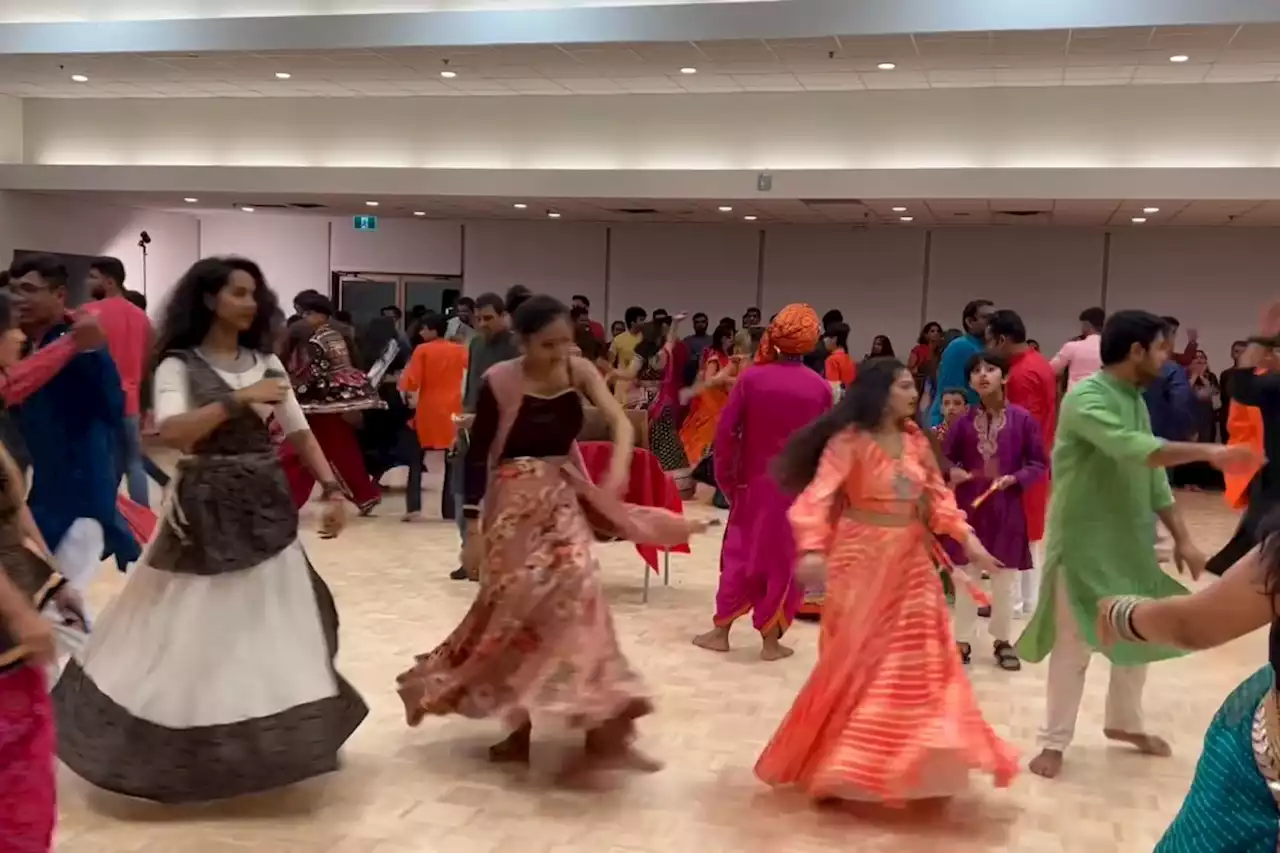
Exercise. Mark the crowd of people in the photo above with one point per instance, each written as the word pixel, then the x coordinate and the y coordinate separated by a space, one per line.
pixel 864 492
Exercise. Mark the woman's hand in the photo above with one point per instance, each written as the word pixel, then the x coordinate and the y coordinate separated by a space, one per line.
pixel 268 391
pixel 35 635
pixel 334 517
pixel 811 571
pixel 956 476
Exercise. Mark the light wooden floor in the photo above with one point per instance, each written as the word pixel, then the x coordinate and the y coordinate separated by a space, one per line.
pixel 429 789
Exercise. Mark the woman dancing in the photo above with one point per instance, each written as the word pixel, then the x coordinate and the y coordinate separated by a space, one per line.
pixel 887 714
pixel 539 640
pixel 1232 804
pixel 211 674
pixel 666 409
pixel 27 582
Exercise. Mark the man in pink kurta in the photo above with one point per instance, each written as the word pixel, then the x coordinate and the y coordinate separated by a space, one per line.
pixel 771 401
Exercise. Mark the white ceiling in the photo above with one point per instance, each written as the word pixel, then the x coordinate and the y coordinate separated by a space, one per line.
pixel 1102 57
pixel 924 212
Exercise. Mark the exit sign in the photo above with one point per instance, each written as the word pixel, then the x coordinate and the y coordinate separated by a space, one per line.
pixel 365 223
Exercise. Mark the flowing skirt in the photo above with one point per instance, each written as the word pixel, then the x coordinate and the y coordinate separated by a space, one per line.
pixel 888 714
pixel 539 640
pixel 664 441
pixel 201 687
pixel 699 427
pixel 1232 804
pixel 27 787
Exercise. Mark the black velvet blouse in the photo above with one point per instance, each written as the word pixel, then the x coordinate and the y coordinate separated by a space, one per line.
pixel 545 427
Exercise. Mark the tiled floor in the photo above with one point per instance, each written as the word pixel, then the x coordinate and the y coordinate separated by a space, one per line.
pixel 429 789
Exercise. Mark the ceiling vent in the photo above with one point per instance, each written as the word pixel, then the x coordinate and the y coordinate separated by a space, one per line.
pixel 833 202
pixel 635 211
pixel 1022 214
pixel 307 205
pixel 260 206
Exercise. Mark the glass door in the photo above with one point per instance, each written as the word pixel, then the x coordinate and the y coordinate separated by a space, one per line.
pixel 365 296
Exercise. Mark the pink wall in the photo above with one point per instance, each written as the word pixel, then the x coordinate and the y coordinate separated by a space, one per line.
pixel 1213 279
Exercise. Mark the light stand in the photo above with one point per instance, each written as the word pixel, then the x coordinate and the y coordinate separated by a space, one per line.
pixel 144 240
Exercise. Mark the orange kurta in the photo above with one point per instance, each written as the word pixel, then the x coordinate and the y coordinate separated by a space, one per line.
pixel 1244 426
pixel 435 372
pixel 699 428
pixel 887 714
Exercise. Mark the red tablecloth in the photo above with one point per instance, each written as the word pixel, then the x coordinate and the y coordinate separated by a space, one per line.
pixel 649 486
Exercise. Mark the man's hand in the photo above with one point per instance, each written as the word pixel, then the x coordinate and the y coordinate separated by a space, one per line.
pixel 87 332
pixel 1187 557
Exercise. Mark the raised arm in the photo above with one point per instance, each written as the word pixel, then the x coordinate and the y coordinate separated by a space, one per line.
pixel 1087 413
pixel 32 373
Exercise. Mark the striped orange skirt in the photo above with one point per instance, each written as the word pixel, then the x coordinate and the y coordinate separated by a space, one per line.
pixel 888 714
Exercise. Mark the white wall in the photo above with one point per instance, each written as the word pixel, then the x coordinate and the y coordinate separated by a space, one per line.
pixel 398 246
pixel 1212 279
pixel 293 251
pixel 11 136
pixel 46 223
pixel 1145 126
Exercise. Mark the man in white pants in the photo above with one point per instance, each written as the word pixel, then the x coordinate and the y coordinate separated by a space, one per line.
pixel 1108 483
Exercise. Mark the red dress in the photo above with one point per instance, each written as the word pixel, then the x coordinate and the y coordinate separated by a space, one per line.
pixel 1034 386
pixel 888 713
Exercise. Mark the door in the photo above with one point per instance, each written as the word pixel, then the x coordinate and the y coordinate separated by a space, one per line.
pixel 365 296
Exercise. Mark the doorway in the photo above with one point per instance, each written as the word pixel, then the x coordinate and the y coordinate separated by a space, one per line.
pixel 364 295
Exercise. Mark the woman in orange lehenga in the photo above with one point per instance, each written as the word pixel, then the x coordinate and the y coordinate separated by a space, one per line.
pixel 887 714
pixel 539 640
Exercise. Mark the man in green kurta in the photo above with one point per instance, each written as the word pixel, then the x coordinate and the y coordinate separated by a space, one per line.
pixel 1109 486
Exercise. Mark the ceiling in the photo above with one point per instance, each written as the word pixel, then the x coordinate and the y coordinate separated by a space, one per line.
pixel 878 212
pixel 1091 57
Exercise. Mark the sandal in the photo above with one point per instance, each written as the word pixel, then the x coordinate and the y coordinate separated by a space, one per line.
pixel 1006 657
pixel 984 612
pixel 966 652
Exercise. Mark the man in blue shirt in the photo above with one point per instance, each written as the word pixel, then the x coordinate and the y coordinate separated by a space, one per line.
pixel 955 358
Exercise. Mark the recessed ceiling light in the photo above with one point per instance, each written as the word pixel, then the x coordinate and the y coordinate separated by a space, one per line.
pixel 419 213
pixel 553 214
pixel 886 66
pixel 247 209
pixel 1179 57
pixel 724 208
pixel 899 210
pixel 283 75
pixel 448 75
pixel 79 78
pixel 906 219
pixel 190 200
pixel 688 70
pixel 1150 210
pixel 1138 220
pixel 750 218
pixel 370 204
pixel 519 205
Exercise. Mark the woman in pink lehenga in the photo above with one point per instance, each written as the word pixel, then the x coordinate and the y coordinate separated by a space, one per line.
pixel 539 640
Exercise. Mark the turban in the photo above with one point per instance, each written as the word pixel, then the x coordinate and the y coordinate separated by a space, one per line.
pixel 794 331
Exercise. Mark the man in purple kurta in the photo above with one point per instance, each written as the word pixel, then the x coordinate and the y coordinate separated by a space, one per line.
pixel 995 451
pixel 770 402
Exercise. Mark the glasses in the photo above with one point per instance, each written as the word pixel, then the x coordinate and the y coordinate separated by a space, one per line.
pixel 22 287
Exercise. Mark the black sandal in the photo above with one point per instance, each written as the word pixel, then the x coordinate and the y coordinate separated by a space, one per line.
pixel 966 652
pixel 1006 657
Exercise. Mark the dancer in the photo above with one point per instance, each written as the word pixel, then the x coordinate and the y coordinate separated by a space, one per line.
pixel 27 582
pixel 887 714
pixel 770 403
pixel 1108 484
pixel 330 390
pixel 1231 807
pixel 1081 357
pixel 538 643
pixel 840 370
pixel 1256 386
pixel 995 453
pixel 211 675
pixel 666 409
pixel 433 380
pixel 71 428
pixel 710 394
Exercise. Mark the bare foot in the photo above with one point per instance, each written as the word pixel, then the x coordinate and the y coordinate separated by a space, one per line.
pixel 1146 744
pixel 1047 764
pixel 513 750
pixel 775 651
pixel 715 640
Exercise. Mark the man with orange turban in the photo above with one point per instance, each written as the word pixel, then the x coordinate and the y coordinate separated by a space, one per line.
pixel 770 401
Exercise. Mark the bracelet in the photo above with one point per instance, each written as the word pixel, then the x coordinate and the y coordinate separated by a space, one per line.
pixel 1120 615
pixel 330 489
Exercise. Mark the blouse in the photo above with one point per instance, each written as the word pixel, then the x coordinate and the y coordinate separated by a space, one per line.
pixel 173 395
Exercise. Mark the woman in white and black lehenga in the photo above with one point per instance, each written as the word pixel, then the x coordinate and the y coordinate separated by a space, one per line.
pixel 211 675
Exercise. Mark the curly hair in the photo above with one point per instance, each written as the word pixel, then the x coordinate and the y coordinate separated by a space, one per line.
pixel 188 313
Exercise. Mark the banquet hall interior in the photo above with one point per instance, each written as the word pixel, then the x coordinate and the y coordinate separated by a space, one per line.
pixel 893 160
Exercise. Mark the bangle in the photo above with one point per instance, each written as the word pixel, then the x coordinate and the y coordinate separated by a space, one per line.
pixel 1120 615
pixel 330 489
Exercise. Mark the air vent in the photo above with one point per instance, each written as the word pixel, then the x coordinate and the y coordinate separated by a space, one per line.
pixel 635 211
pixel 1020 212
pixel 307 205
pixel 260 206
pixel 833 202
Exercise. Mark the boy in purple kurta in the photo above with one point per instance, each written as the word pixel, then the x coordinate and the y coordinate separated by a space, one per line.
pixel 769 403
pixel 995 451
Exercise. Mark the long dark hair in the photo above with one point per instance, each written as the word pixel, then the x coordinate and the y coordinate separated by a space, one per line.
pixel 188 314
pixel 650 341
pixel 924 332
pixel 862 407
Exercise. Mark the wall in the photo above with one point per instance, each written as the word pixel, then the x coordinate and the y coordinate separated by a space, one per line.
pixel 886 281
pixel 61 225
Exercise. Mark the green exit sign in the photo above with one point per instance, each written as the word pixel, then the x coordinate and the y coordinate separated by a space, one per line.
pixel 365 223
